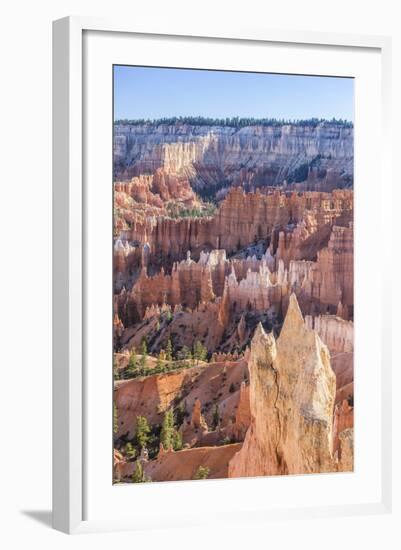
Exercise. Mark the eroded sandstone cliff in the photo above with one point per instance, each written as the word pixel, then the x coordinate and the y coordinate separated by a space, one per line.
pixel 292 393
pixel 276 409
pixel 208 155
pixel 297 225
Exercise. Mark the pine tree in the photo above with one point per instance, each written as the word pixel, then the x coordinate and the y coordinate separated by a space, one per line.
pixel 116 372
pixel 115 419
pixel 185 353
pixel 167 431
pixel 144 354
pixel 130 451
pixel 177 440
pixel 139 475
pixel 202 472
pixel 144 347
pixel 200 352
pixel 180 413
pixel 142 431
pixel 159 363
pixel 133 362
pixel 169 350
pixel 234 122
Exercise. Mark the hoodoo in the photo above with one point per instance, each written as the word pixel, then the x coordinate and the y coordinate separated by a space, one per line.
pixel 292 393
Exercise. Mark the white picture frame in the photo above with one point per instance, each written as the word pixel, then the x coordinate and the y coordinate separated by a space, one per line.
pixel 69 259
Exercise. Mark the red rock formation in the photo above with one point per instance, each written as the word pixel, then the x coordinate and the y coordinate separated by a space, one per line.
pixel 189 284
pixel 292 390
pixel 197 420
pixel 196 287
pixel 152 396
pixel 242 331
pixel 285 414
pixel 318 213
pixel 343 420
pixel 243 413
pixel 118 465
pixel 181 465
pixel 157 189
pixel 256 292
pixel 336 266
pixel 338 335
pixel 194 432
pixel 328 281
pixel 346 452
pixel 320 285
pixel 118 327
pixel 241 219
pixel 262 256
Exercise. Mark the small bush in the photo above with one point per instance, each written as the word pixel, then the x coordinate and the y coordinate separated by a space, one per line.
pixel 202 472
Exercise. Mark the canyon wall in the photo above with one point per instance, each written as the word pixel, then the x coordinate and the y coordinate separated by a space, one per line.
pixel 208 155
pixel 157 188
pixel 338 335
pixel 256 284
pixel 296 225
pixel 193 387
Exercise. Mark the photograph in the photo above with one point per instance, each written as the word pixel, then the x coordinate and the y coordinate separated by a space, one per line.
pixel 233 274
pixel 210 247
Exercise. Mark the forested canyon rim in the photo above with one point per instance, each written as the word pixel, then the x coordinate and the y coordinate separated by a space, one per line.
pixel 233 299
pixel 257 154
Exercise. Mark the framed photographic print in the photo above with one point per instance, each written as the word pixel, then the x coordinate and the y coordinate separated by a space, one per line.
pixel 219 336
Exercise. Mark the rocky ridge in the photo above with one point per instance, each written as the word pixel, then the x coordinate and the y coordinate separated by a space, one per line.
pixel 276 406
pixel 251 155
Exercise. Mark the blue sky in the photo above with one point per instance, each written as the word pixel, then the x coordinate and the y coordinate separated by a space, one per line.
pixel 148 92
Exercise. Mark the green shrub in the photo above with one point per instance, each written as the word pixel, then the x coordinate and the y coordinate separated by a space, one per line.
pixel 130 451
pixel 200 351
pixel 139 475
pixel 167 433
pixel 202 472
pixel 142 431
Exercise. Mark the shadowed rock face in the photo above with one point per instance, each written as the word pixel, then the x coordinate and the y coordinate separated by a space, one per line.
pixel 208 155
pixel 292 392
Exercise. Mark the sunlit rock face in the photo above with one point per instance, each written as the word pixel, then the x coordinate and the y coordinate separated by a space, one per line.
pixel 250 155
pixel 292 392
